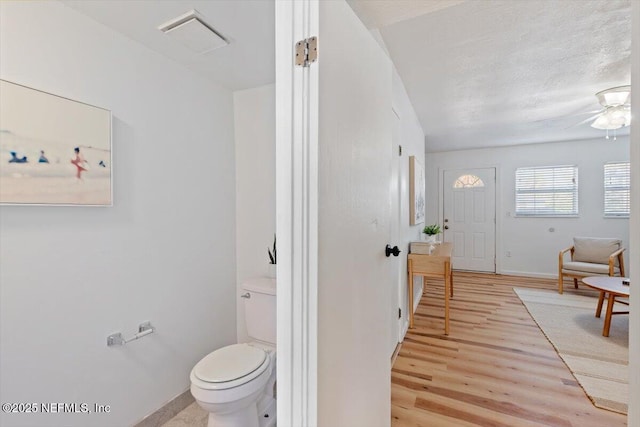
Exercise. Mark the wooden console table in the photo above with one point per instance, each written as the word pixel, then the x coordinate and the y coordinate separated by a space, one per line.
pixel 437 264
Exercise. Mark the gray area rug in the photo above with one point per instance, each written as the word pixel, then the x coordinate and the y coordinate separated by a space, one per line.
pixel 600 364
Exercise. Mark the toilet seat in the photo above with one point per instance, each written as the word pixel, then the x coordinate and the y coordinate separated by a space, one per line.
pixel 230 367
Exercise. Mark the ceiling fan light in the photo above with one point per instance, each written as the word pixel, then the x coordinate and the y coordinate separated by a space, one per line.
pixel 614 96
pixel 604 123
pixel 616 112
pixel 617 122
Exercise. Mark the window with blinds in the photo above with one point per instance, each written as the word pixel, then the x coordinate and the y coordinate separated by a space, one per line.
pixel 617 193
pixel 547 191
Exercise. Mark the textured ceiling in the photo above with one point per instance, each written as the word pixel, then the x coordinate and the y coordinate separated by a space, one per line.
pixel 249 25
pixel 479 72
pixel 493 73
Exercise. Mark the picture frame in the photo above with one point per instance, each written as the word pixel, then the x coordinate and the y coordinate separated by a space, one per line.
pixel 53 150
pixel 416 191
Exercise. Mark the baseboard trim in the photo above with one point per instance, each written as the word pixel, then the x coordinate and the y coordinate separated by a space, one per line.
pixel 529 274
pixel 167 411
pixel 395 353
pixel 405 328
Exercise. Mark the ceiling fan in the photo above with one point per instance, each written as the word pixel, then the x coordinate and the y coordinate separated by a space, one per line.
pixel 615 112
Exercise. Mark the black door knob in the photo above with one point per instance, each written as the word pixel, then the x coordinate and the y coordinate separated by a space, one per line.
pixel 389 250
pixel 446 227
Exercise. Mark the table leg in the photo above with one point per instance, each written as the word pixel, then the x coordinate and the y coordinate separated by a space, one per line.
pixel 451 279
pixel 410 296
pixel 447 290
pixel 600 301
pixel 607 319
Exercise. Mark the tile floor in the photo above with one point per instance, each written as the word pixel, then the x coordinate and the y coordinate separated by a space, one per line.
pixel 191 416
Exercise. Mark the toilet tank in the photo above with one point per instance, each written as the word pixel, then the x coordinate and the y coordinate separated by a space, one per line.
pixel 260 308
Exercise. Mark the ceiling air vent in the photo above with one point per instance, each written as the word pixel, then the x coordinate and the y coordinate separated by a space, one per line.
pixel 191 30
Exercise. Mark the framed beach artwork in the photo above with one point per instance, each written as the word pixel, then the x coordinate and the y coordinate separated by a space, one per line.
pixel 416 191
pixel 53 150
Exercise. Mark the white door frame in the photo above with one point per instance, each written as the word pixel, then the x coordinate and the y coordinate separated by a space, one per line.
pixel 296 216
pixel 633 418
pixel 498 206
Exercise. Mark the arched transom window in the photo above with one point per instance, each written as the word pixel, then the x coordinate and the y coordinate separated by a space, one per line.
pixel 468 181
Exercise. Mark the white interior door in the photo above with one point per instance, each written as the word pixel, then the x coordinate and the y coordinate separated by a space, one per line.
pixel 355 278
pixel 396 286
pixel 469 217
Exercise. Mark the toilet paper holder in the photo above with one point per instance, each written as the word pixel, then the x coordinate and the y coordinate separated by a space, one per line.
pixel 144 329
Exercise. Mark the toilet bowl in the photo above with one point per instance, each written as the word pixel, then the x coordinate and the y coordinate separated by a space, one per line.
pixel 235 384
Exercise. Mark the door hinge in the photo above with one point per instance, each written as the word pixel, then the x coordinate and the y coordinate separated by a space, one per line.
pixel 306 51
pixel 400 150
pixel 399 313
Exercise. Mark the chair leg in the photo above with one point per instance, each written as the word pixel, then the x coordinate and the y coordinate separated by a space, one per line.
pixel 575 283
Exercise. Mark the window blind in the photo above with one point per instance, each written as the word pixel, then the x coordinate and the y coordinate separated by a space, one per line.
pixel 547 191
pixel 617 194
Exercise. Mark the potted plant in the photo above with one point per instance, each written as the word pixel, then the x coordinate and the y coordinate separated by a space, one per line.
pixel 431 231
pixel 273 258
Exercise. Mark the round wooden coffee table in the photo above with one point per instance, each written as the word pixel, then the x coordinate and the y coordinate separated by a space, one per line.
pixel 612 286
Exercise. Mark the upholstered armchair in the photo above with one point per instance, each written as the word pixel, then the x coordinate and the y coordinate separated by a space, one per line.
pixel 591 256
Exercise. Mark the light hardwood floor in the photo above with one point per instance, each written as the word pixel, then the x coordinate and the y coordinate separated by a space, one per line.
pixel 495 368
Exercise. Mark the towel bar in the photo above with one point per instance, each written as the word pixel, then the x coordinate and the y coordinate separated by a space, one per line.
pixel 144 329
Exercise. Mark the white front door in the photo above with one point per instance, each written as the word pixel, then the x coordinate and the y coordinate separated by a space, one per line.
pixel 469 217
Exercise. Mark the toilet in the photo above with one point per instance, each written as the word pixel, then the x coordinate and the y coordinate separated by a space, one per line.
pixel 235 384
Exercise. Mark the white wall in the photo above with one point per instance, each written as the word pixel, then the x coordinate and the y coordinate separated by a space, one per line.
pixel 255 139
pixel 412 139
pixel 534 249
pixel 165 251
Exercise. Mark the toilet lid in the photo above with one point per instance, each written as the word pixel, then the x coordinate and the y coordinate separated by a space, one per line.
pixel 230 363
